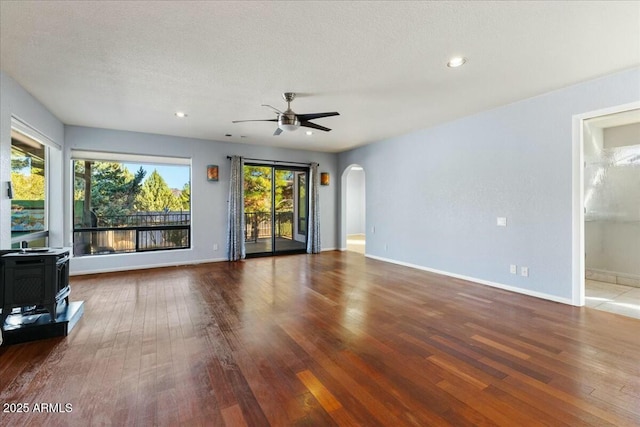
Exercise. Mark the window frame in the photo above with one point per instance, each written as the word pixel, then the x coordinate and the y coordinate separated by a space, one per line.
pixel 124 158
pixel 25 131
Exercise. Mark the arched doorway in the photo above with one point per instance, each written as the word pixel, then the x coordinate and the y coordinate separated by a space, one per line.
pixel 353 235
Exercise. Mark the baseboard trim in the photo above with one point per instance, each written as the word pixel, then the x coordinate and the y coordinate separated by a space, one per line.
pixel 145 266
pixel 528 292
pixel 150 266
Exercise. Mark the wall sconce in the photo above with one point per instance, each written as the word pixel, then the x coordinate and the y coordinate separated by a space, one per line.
pixel 324 178
pixel 212 172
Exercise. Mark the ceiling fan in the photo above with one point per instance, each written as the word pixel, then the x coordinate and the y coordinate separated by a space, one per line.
pixel 288 120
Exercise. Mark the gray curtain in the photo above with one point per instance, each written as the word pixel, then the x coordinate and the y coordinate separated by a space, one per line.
pixel 235 232
pixel 313 241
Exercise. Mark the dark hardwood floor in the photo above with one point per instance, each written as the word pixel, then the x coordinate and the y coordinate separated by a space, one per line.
pixel 329 339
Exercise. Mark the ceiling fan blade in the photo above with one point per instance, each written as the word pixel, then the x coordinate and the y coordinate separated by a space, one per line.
pixel 263 120
pixel 313 126
pixel 273 108
pixel 312 116
pixel 277 132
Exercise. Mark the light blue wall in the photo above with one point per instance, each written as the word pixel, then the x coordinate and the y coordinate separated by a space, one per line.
pixel 433 196
pixel 209 199
pixel 18 103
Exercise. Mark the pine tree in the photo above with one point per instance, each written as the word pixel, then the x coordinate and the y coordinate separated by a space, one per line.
pixel 114 189
pixel 113 192
pixel 185 197
pixel 156 196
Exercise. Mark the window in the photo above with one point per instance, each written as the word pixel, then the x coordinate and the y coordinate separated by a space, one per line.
pixel 302 204
pixel 125 204
pixel 29 216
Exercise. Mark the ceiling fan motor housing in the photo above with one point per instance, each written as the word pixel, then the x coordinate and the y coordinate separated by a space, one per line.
pixel 288 121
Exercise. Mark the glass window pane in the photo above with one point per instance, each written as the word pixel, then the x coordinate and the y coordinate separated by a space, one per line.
pixel 257 209
pixel 124 207
pixel 302 204
pixel 28 179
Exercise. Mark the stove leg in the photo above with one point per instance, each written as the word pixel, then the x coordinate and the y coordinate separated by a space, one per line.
pixel 3 317
pixel 52 308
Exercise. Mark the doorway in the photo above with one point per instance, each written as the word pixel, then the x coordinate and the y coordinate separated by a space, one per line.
pixel 275 209
pixel 607 273
pixel 354 213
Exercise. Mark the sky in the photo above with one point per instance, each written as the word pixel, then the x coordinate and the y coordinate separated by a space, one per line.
pixel 175 176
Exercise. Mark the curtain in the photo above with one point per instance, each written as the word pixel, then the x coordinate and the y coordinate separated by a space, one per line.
pixel 313 241
pixel 235 232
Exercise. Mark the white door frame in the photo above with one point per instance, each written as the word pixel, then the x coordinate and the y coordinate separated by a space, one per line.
pixel 577 202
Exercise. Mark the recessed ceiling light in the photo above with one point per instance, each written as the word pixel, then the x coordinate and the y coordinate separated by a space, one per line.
pixel 181 114
pixel 456 61
pixel 309 133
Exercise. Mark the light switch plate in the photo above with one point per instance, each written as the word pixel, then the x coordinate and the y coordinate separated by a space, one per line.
pixel 501 221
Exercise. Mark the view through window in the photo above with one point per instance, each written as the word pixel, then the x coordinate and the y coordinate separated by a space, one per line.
pixel 275 209
pixel 122 206
pixel 29 184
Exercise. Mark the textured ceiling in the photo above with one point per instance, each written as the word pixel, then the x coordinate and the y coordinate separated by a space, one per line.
pixel 131 65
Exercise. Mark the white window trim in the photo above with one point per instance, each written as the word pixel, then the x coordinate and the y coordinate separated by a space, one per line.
pixel 105 156
pixel 31 132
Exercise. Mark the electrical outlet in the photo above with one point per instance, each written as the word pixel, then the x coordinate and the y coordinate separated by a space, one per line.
pixel 501 221
pixel 524 271
pixel 513 269
pixel 215 246
pixel 373 229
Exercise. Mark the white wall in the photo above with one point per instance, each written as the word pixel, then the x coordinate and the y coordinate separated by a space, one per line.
pixel 18 103
pixel 453 180
pixel 355 202
pixel 209 199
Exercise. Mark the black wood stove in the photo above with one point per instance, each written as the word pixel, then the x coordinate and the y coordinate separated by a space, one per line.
pixel 35 281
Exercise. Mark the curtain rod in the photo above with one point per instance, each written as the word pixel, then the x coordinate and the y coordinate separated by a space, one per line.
pixel 274 161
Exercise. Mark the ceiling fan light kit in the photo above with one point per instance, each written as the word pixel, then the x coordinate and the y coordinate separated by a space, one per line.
pixel 290 121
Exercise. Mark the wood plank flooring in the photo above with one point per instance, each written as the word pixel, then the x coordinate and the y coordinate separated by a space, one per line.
pixel 322 340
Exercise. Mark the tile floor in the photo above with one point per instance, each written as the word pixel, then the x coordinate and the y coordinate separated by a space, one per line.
pixel 356 243
pixel 618 299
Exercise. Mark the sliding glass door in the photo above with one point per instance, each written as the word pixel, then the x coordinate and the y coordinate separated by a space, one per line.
pixel 275 209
